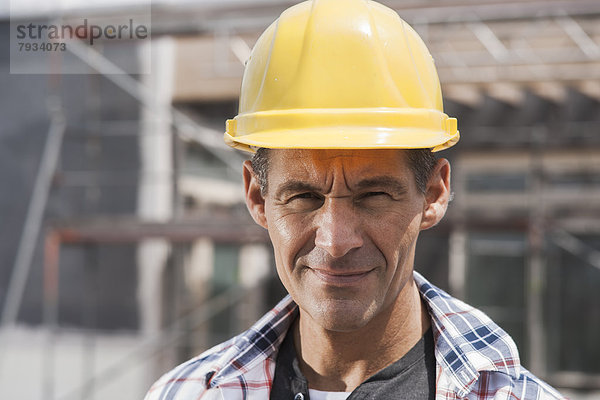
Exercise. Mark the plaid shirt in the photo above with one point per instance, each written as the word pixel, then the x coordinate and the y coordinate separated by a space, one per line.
pixel 475 358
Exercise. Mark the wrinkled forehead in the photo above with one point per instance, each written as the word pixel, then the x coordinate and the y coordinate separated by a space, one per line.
pixel 359 162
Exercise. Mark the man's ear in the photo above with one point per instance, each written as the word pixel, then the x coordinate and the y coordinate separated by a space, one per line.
pixel 254 199
pixel 437 195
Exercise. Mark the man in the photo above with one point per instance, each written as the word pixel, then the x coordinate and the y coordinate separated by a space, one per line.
pixel 342 101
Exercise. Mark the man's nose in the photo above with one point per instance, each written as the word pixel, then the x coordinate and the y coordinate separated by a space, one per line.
pixel 338 229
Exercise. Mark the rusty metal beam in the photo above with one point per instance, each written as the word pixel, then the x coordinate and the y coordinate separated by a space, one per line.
pixel 128 230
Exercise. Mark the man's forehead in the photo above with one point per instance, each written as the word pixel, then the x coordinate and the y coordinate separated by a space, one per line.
pixel 351 166
pixel 348 156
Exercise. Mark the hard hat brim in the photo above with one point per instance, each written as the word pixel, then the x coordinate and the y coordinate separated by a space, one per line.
pixel 343 129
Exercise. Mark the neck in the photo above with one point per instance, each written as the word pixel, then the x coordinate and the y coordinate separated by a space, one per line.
pixel 340 361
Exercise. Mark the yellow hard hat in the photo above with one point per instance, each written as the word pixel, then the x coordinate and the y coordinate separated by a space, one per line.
pixel 344 74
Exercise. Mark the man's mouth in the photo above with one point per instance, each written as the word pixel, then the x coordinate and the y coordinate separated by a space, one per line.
pixel 340 278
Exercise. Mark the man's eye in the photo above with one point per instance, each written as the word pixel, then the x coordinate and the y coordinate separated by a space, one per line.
pixel 373 198
pixel 304 196
pixel 305 201
pixel 373 194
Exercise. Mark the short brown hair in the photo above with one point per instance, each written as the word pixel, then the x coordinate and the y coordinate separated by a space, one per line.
pixel 420 161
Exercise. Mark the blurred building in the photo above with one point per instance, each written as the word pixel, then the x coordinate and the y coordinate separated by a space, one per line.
pixel 146 255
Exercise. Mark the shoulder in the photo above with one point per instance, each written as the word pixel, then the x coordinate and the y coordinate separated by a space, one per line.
pixel 192 378
pixel 476 358
pixel 242 364
pixel 526 386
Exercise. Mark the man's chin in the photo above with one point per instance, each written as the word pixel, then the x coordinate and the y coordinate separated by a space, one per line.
pixel 341 315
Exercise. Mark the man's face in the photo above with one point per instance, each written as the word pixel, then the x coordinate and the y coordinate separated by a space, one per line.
pixel 344 225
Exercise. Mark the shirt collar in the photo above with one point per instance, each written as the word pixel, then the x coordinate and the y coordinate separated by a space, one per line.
pixel 467 341
pixel 258 343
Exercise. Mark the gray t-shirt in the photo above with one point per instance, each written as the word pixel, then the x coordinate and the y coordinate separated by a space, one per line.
pixel 410 378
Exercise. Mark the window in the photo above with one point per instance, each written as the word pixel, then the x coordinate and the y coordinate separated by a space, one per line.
pixel 494 182
pixel 496 272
